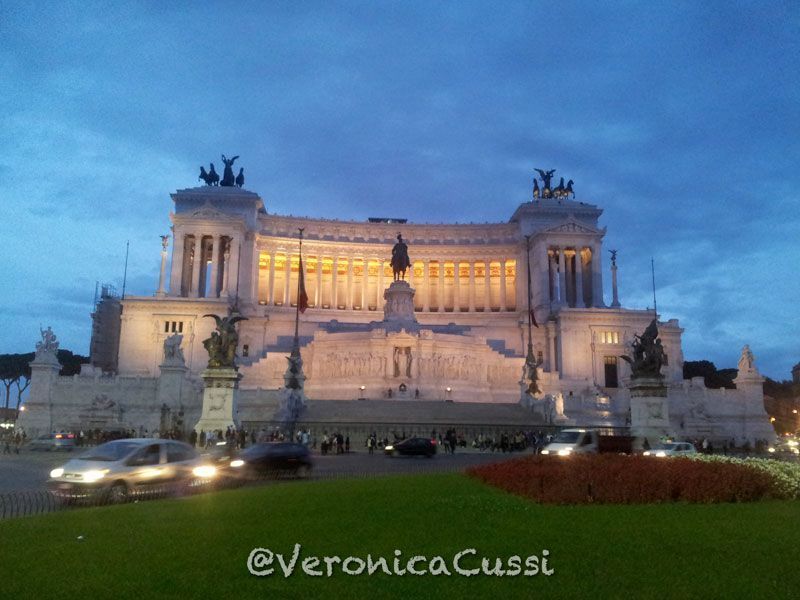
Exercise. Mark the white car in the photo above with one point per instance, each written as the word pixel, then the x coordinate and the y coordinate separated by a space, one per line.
pixel 672 449
pixel 113 470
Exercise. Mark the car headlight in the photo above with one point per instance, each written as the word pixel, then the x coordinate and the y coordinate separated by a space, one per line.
pixel 390 447
pixel 545 451
pixel 565 452
pixel 204 471
pixel 661 454
pixel 56 472
pixel 237 463
pixel 771 449
pixel 94 475
pixel 647 453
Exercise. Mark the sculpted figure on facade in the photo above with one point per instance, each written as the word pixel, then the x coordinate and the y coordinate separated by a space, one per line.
pixel 173 353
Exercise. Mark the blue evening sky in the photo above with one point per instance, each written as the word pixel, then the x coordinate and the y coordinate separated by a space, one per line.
pixel 680 119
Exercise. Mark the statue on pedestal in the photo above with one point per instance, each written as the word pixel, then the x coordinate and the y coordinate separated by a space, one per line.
pixel 400 261
pixel 747 360
pixel 546 177
pixel 648 354
pixel 228 179
pixel 173 353
pixel 49 343
pixel 221 346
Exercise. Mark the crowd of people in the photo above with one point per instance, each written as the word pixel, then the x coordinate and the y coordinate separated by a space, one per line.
pixel 338 442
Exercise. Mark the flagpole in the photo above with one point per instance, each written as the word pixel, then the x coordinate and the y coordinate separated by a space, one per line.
pixel 528 257
pixel 653 273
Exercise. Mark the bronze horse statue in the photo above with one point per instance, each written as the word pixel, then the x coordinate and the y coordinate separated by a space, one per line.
pixel 211 177
pixel 400 261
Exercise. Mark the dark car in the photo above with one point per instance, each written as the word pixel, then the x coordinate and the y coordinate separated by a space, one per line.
pixel 416 446
pixel 273 459
pixel 53 441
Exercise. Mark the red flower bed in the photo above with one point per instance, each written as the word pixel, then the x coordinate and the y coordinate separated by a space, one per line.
pixel 619 479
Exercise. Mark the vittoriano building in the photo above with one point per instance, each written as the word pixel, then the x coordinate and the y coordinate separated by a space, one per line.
pixel 458 358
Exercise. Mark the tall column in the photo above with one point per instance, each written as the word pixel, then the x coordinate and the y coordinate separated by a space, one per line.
pixel 614 295
pixel 543 263
pixel 379 294
pixel 334 281
pixel 349 296
pixel 211 284
pixel 197 258
pixel 579 303
pixel 364 284
pixel 487 280
pixel 456 287
pixel 318 291
pixel 271 297
pixel 440 289
pixel 597 276
pixel 176 270
pixel 226 273
pixel 233 265
pixel 426 278
pixel 503 299
pixel 286 287
pixel 472 285
pixel 164 242
pixel 562 277
pixel 255 273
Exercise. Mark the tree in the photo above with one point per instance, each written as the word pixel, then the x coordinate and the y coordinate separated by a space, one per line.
pixel 713 378
pixel 12 368
pixel 70 363
pixel 15 370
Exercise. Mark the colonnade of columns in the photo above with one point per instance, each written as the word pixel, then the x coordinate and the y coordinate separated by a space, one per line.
pixel 573 275
pixel 357 282
pixel 208 265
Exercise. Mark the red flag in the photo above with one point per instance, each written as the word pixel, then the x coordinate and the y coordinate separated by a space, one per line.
pixel 533 319
pixel 302 296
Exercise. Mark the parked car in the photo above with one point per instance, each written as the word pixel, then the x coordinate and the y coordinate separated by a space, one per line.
pixel 672 449
pixel 273 459
pixel 590 441
pixel 53 441
pixel 116 469
pixel 416 446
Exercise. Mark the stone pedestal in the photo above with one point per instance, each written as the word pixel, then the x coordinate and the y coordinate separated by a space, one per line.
pixel 220 399
pixel 649 408
pixel 399 305
pixel 37 416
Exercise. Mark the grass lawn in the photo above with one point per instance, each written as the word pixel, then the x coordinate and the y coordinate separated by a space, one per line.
pixel 198 546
